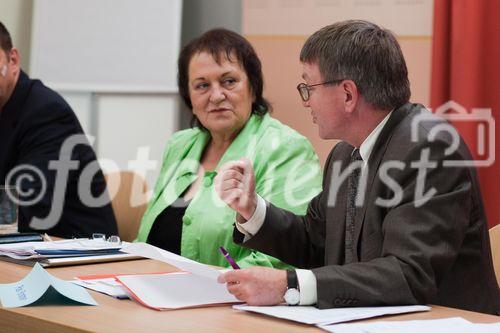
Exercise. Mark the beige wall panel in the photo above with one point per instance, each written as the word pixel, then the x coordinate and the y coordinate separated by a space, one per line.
pixel 303 17
pixel 418 52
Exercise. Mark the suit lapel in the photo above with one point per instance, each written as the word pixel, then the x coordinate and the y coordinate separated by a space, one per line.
pixel 374 161
pixel 335 213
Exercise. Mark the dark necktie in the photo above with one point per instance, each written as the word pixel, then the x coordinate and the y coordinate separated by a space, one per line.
pixel 352 190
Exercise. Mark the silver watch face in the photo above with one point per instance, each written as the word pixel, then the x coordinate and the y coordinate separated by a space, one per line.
pixel 292 296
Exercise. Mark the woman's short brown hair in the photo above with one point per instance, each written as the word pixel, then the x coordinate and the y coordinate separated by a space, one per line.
pixel 219 42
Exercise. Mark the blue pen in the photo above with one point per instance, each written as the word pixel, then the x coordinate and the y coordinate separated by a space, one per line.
pixel 228 258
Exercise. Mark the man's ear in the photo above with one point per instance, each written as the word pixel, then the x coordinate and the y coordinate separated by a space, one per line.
pixel 351 94
pixel 15 61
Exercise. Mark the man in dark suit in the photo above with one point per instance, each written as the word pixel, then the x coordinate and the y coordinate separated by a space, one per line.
pixel 44 154
pixel 400 219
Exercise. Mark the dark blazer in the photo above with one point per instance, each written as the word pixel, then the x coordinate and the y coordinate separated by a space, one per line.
pixel 413 252
pixel 34 124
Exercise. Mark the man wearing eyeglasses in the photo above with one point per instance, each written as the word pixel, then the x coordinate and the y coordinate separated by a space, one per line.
pixel 395 224
pixel 35 124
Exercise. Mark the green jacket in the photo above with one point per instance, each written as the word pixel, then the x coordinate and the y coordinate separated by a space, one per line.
pixel 287 173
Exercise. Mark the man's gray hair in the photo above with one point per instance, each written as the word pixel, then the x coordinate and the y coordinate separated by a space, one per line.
pixel 364 53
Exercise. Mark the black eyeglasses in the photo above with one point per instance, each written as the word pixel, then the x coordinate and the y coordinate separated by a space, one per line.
pixel 305 88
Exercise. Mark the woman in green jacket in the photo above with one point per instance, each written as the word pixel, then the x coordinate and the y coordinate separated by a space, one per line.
pixel 220 80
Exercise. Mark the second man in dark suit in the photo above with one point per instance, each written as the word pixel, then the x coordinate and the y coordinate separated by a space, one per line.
pixel 44 153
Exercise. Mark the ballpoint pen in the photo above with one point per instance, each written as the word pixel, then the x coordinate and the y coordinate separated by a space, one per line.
pixel 228 258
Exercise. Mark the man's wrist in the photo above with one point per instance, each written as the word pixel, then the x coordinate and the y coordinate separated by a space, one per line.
pixel 251 226
pixel 247 215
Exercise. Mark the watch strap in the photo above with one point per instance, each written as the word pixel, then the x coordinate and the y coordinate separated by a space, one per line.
pixel 292 279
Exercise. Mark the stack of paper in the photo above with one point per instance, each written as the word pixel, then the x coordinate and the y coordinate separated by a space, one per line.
pixel 106 284
pixel 63 252
pixel 455 325
pixel 196 286
pixel 109 286
pixel 314 316
pixel 175 290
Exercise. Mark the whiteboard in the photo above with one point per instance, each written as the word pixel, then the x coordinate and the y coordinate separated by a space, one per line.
pixel 106 45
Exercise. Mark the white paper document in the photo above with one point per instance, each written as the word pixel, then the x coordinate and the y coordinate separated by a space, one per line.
pixel 175 290
pixel 455 325
pixel 185 264
pixel 315 316
pixel 108 286
pixel 486 328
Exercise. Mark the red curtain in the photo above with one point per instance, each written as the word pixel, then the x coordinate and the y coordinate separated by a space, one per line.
pixel 466 69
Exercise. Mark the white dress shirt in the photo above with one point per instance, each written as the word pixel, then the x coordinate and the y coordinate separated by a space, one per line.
pixel 306 278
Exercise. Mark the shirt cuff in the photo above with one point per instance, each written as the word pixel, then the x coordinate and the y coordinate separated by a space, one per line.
pixel 307 287
pixel 252 226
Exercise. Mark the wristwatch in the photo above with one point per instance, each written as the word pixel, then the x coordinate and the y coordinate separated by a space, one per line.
pixel 292 294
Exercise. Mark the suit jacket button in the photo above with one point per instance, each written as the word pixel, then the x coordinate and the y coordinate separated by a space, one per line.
pixel 337 301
